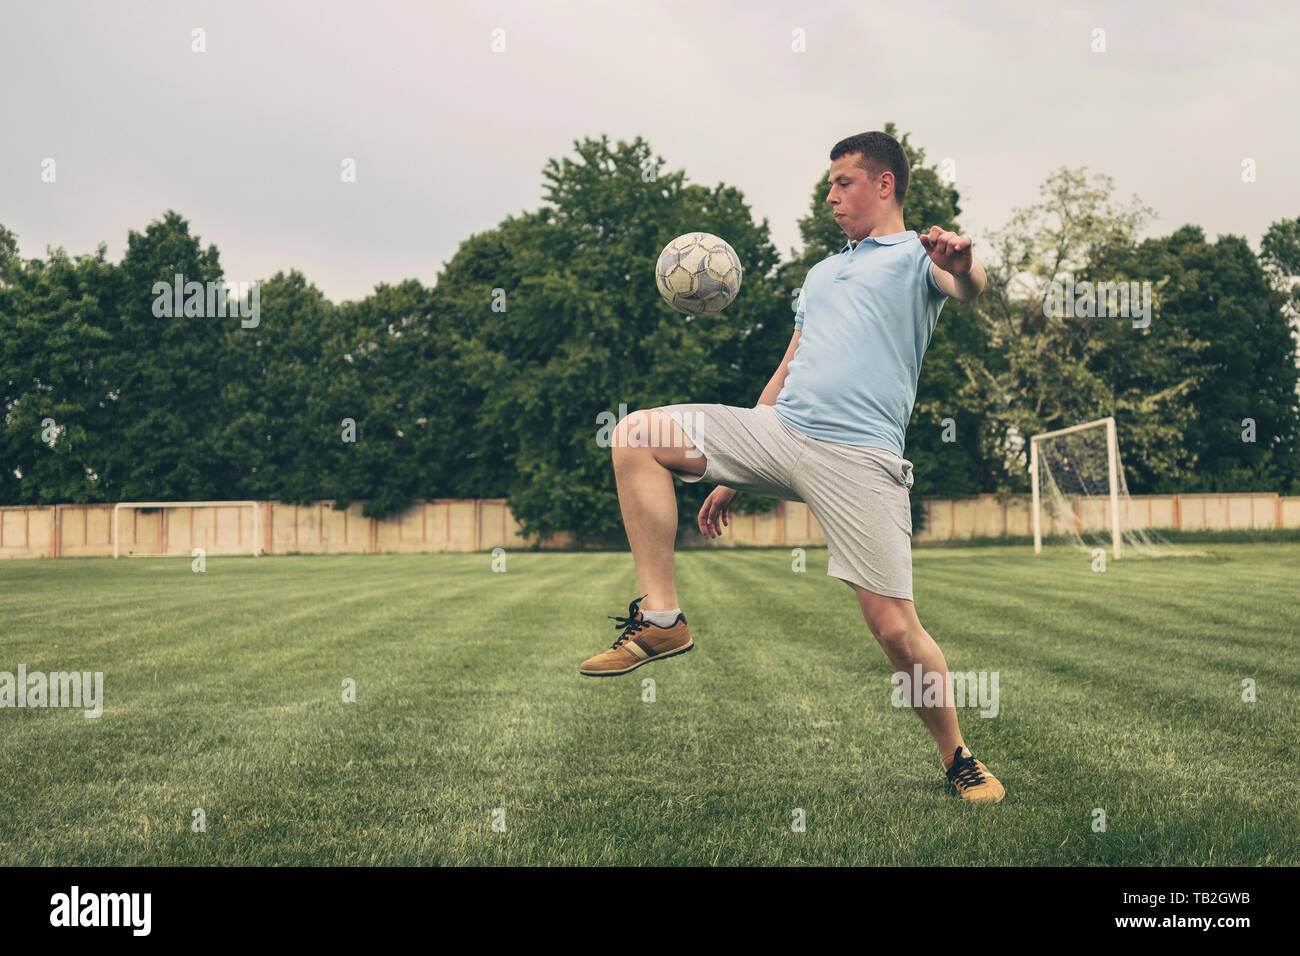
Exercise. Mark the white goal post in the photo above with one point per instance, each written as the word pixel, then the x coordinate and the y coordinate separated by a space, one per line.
pixel 256 544
pixel 1112 472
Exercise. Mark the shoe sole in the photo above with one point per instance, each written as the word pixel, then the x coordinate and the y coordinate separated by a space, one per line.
pixel 997 799
pixel 984 803
pixel 648 660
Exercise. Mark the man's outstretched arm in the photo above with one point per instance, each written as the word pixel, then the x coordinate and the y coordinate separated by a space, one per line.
pixel 956 272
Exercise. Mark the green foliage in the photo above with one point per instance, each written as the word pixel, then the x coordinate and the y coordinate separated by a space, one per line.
pixel 279 392
pixel 1219 294
pixel 57 325
pixel 555 319
pixel 1050 369
pixel 501 378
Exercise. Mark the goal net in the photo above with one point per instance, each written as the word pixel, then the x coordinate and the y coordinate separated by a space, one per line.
pixel 160 529
pixel 1080 496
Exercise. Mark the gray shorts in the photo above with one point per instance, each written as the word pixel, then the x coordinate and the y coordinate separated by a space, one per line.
pixel 858 495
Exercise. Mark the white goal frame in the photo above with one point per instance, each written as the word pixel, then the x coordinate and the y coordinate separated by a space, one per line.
pixel 1112 469
pixel 257 522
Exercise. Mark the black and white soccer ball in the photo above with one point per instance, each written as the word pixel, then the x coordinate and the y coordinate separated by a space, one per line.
pixel 698 273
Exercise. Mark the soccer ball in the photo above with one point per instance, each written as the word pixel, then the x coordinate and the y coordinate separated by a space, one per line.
pixel 698 273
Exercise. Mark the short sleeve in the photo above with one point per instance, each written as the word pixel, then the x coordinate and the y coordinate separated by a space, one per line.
pixel 799 313
pixel 928 266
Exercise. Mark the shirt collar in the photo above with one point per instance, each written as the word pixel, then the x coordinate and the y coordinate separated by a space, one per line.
pixel 891 240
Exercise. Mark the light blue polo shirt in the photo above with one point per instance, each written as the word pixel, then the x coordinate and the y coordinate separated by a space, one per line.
pixel 866 316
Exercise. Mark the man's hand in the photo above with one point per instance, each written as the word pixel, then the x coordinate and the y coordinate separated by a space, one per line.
pixel 948 250
pixel 715 508
pixel 952 264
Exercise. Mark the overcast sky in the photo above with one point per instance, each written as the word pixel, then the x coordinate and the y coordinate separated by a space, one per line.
pixel 246 139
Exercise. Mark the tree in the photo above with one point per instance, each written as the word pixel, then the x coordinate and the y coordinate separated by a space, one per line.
pixel 1280 255
pixel 554 319
pixel 1054 367
pixel 379 372
pixel 163 414
pixel 279 435
pixel 1221 295
pixel 54 321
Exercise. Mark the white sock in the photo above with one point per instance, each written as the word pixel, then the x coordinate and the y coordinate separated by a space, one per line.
pixel 662 618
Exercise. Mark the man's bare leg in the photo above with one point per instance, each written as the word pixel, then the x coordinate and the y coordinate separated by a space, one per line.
pixel 906 643
pixel 646 445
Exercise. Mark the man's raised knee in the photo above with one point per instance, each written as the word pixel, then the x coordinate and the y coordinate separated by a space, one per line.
pixel 652 432
pixel 634 431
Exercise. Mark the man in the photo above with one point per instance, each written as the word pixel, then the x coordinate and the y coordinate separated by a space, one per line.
pixel 827 430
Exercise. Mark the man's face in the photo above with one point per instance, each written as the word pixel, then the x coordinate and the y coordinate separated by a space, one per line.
pixel 854 196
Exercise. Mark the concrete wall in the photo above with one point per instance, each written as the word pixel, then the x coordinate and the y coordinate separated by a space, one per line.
pixel 484 524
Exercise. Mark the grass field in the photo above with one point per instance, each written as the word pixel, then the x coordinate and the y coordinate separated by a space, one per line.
pixel 1120 691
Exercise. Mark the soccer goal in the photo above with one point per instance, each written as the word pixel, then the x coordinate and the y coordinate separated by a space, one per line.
pixel 1079 492
pixel 218 527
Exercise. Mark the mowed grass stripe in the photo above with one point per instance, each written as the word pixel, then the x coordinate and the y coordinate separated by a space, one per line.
pixel 1076 675
pixel 642 754
pixel 1095 656
pixel 1127 627
pixel 469 700
pixel 253 769
pixel 751 800
pixel 509 744
pixel 466 742
pixel 1124 662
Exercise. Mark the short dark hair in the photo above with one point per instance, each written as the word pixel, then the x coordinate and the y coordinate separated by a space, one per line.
pixel 880 151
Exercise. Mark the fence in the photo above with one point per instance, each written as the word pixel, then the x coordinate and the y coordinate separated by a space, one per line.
pixel 64 531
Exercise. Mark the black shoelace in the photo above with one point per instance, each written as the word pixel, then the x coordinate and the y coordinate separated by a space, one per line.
pixel 629 624
pixel 965 770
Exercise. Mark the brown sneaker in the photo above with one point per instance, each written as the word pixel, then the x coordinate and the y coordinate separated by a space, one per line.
pixel 972 779
pixel 640 643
